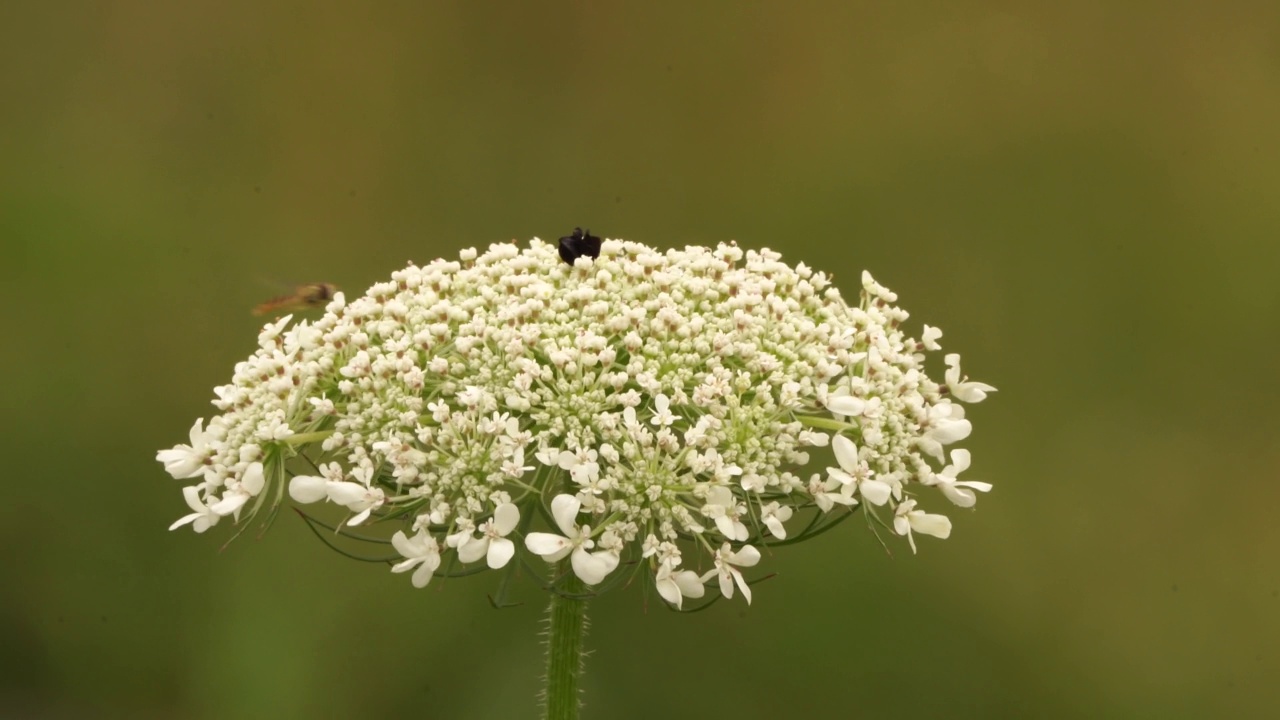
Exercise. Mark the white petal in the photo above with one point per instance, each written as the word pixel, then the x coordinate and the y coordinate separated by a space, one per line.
pixel 841 498
pixel 196 434
pixel 938 526
pixel 567 460
pixel 961 497
pixel 501 551
pixel 727 527
pixel 950 431
pixel 181 462
pixel 930 338
pixel 422 575
pixel 746 556
pixel 929 446
pixel 876 492
pixel 846 405
pixel 406 564
pixel 473 549
pixel 824 501
pixel 743 586
pixel 775 527
pixel 253 479
pixel 231 502
pixel 191 494
pixel 401 543
pixel 841 476
pixel 959 461
pixel 976 485
pixel 591 568
pixel 846 453
pixel 347 493
pixel 505 518
pixel 952 361
pixel 360 517
pixel 670 591
pixel 185 519
pixel 901 526
pixel 689 583
pixel 564 508
pixel 421 545
pixel 972 392
pixel 308 488
pixel 726 582
pixel 550 547
pixel 720 495
pixel 460 538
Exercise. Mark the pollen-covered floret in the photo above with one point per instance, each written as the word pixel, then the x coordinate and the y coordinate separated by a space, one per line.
pixel 658 410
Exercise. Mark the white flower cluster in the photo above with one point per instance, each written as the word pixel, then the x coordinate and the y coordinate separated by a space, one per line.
pixel 669 401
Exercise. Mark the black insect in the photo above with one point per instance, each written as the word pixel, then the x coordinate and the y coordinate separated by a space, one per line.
pixel 580 243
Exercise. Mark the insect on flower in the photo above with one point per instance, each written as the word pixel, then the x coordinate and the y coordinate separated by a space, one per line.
pixel 580 242
pixel 303 297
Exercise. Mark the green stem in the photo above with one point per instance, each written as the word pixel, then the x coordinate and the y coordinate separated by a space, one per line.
pixel 304 438
pixel 566 628
pixel 825 423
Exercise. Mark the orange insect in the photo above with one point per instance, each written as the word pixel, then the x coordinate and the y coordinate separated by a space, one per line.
pixel 303 297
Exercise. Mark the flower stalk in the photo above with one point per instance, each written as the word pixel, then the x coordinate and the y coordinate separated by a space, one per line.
pixel 565 640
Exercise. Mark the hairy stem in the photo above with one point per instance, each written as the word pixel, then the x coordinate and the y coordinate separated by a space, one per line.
pixel 566 629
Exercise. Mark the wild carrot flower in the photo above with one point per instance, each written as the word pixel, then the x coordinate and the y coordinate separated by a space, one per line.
pixel 672 401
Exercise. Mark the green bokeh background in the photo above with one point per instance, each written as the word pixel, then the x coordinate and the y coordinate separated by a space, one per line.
pixel 1082 195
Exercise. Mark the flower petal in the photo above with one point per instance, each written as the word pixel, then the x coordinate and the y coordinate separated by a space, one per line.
pixel 746 556
pixel 591 568
pixel 181 462
pixel 404 545
pixel 253 479
pixel 505 518
pixel 564 508
pixel 743 586
pixel 689 583
pixel 184 520
pixel 846 453
pixel 231 502
pixel 669 591
pixel 550 547
pixel 307 489
pixel 846 405
pixel 422 575
pixel 938 526
pixel 347 493
pixel 959 496
pixel 501 551
pixel 876 492
pixel 473 549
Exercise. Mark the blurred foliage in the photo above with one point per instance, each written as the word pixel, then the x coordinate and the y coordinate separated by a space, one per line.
pixel 1082 195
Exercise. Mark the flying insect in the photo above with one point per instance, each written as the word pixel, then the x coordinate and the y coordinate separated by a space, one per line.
pixel 303 297
pixel 577 244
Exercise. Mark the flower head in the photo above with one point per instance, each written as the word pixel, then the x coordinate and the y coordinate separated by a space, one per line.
pixel 672 400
